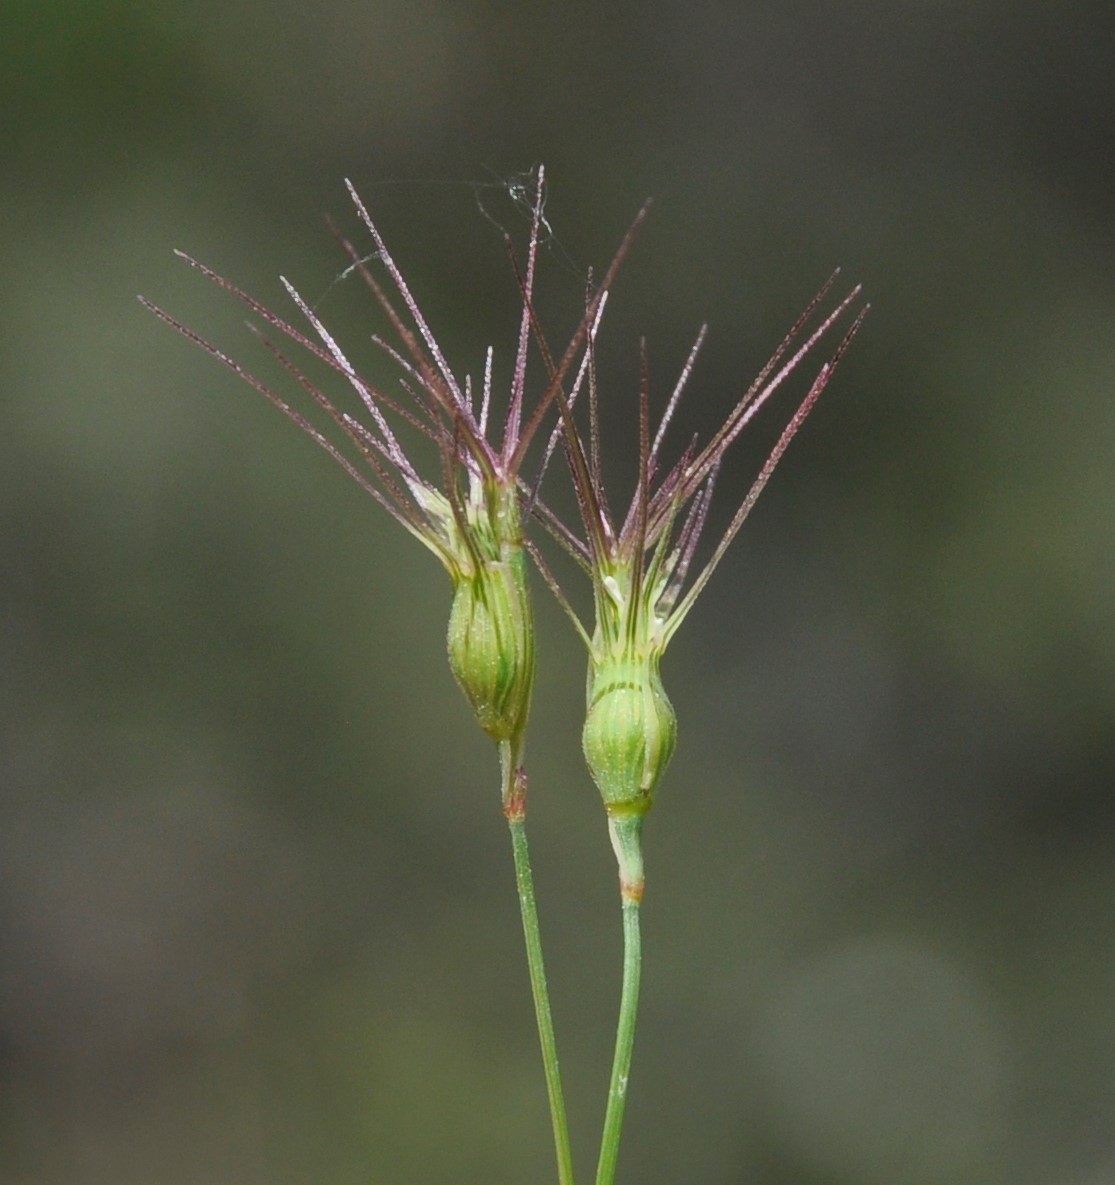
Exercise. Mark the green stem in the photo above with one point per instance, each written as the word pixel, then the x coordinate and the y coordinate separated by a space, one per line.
pixel 514 807
pixel 625 1040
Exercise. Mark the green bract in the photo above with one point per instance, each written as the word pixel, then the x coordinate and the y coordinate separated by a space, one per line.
pixel 630 732
pixel 630 727
pixel 491 627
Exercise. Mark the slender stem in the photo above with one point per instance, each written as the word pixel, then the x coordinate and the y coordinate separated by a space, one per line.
pixel 514 807
pixel 625 1040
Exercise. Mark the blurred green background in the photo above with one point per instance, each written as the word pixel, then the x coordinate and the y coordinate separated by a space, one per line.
pixel 257 919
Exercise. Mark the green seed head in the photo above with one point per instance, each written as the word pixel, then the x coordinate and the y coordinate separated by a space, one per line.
pixel 491 644
pixel 630 732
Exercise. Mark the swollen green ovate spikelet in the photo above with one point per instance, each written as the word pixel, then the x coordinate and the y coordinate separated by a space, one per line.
pixel 491 644
pixel 630 732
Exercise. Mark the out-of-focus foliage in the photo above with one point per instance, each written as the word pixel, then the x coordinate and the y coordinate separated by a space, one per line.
pixel 257 921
